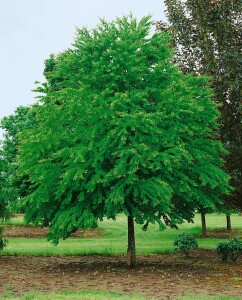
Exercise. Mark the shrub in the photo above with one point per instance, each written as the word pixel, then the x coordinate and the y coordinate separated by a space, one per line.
pixel 3 241
pixel 229 250
pixel 184 243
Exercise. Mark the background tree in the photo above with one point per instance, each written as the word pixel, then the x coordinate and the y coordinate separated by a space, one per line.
pixel 4 211
pixel 12 186
pixel 207 36
pixel 130 134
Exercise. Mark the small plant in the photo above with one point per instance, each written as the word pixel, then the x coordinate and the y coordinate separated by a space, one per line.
pixel 230 250
pixel 3 242
pixel 184 243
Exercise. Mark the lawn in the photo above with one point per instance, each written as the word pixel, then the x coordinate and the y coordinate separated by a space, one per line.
pixel 113 238
pixel 84 295
pixel 100 295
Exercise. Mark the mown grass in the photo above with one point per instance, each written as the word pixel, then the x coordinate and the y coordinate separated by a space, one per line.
pixel 100 295
pixel 19 220
pixel 69 295
pixel 113 239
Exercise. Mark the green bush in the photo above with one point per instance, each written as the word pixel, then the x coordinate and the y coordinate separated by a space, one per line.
pixel 229 250
pixel 3 241
pixel 184 243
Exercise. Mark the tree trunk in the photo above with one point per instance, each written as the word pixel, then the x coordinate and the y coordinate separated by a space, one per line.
pixel 228 219
pixel 204 227
pixel 131 256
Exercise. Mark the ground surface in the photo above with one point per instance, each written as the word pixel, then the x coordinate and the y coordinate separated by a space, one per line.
pixel 38 232
pixel 164 276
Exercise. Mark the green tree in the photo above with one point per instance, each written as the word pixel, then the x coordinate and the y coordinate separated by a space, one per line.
pixel 130 134
pixel 12 186
pixel 207 36
pixel 4 211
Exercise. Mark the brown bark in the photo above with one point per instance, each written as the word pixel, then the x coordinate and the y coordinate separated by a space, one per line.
pixel 204 227
pixel 131 255
pixel 228 221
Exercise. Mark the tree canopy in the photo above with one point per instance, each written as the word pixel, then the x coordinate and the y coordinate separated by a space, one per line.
pixel 12 187
pixel 122 131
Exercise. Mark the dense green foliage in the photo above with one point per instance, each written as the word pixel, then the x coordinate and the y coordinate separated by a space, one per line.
pixel 230 250
pixel 184 243
pixel 207 37
pixel 120 130
pixel 12 186
pixel 4 210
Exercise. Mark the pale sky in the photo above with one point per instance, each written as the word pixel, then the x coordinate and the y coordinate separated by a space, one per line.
pixel 30 30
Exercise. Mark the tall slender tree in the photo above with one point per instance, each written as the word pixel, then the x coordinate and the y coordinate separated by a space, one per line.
pixel 207 37
pixel 130 134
